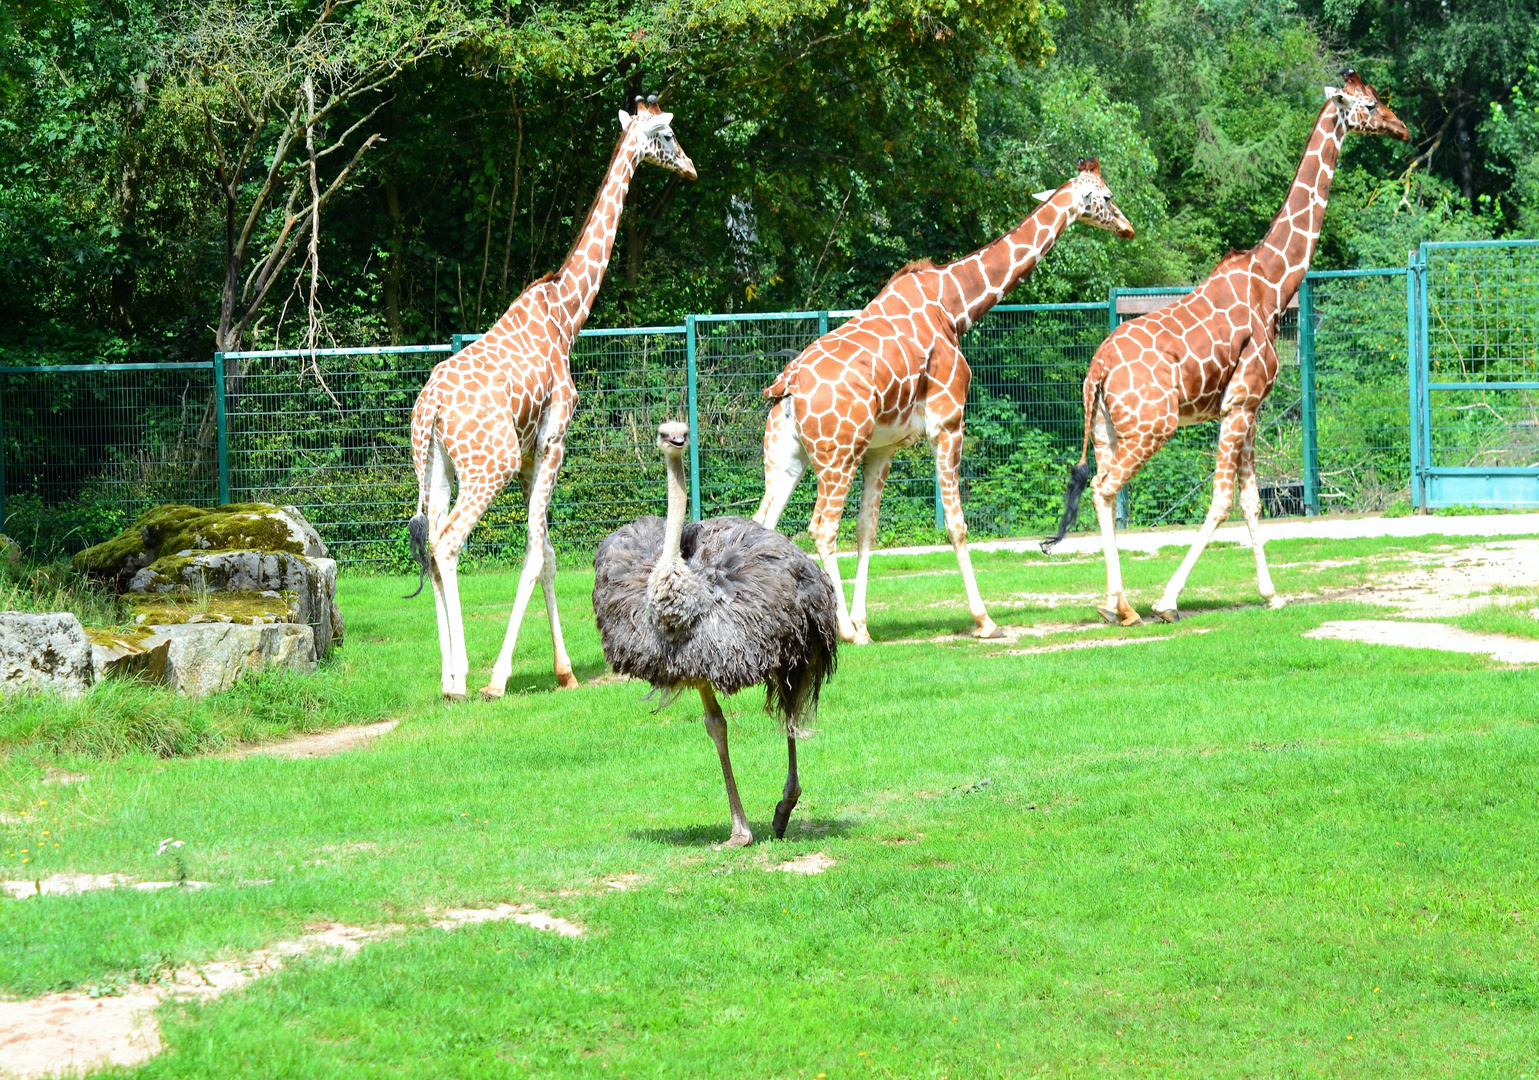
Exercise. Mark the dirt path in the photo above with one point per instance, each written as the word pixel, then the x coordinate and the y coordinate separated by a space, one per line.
pixel 65 1034
pixel 1423 635
pixel 322 744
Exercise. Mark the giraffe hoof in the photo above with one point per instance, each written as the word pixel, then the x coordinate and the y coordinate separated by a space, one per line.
pixel 987 629
pixel 1276 603
pixel 454 699
pixel 1132 618
pixel 565 680
pixel 1171 616
pixel 490 693
pixel 737 840
pixel 1108 614
pixel 862 636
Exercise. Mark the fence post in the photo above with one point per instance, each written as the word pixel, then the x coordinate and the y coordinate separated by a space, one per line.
pixel 1413 352
pixel 2 463
pixel 222 448
pixel 694 417
pixel 822 323
pixel 1307 389
pixel 1112 322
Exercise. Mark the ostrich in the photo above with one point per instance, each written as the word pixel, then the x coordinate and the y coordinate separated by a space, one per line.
pixel 718 605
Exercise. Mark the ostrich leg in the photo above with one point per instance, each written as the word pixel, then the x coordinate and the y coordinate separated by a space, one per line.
pixel 716 727
pixel 792 793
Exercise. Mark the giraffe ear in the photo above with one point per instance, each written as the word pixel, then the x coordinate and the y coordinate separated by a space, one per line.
pixel 625 120
pixel 1043 196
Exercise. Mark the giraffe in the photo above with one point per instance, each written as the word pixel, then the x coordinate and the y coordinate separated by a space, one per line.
pixel 895 373
pixel 1210 355
pixel 500 407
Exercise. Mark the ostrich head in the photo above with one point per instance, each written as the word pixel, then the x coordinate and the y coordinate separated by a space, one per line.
pixel 673 440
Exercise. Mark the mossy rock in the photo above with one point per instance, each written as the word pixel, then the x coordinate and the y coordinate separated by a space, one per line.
pixel 178 530
pixel 247 608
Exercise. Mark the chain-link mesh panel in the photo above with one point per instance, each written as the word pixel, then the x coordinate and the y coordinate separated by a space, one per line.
pixel 85 449
pixel 1025 413
pixel 332 436
pixel 1483 332
pixel 1363 421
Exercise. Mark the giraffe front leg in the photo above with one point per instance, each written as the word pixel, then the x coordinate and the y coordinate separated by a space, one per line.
pixel 833 490
pixel 948 465
pixel 785 460
pixel 1250 505
pixel 1233 432
pixel 873 479
pixel 540 489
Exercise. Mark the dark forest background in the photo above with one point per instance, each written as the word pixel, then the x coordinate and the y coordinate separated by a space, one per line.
pixel 180 177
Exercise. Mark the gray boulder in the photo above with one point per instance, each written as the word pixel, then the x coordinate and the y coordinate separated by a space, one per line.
pixel 310 584
pixel 125 660
pixel 44 653
pixel 206 658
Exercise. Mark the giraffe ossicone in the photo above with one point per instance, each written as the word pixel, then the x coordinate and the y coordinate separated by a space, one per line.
pixel 501 406
pixel 894 374
pixel 1210 355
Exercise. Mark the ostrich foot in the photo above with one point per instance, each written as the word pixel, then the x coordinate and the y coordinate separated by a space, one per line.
pixel 783 813
pixel 565 680
pixel 1276 603
pixel 737 840
pixel 1171 616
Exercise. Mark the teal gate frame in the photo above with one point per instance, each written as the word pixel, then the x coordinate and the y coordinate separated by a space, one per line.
pixel 1473 325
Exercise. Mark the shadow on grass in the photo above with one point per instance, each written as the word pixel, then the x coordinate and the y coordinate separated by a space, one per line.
pixel 809 829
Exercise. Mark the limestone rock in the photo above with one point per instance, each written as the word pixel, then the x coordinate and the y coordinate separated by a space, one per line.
pixel 175 530
pixel 309 584
pixel 125 660
pixel 44 653
pixel 206 658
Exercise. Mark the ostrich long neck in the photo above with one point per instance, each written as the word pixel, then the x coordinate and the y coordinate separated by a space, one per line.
pixel 678 500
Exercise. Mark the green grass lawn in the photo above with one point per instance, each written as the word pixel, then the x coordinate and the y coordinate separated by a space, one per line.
pixel 1235 853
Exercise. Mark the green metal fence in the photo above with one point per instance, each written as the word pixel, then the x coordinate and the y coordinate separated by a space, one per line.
pixel 84 448
pixel 1475 391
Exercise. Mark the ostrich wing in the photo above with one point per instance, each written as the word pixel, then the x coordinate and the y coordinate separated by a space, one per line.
pixel 769 617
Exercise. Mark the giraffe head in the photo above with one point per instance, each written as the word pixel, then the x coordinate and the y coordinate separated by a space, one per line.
pixel 673 438
pixel 1091 200
pixel 652 129
pixel 1360 104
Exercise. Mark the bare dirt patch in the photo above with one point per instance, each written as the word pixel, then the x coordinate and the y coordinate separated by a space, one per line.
pixel 454 918
pixel 72 884
pixel 324 744
pixel 73 1033
pixel 815 863
pixel 1455 581
pixel 1423 635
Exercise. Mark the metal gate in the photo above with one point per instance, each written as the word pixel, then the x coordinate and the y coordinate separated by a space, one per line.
pixel 1473 324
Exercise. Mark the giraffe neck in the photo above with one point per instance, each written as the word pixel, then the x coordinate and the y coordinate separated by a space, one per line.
pixel 975 283
pixel 577 282
pixel 1282 258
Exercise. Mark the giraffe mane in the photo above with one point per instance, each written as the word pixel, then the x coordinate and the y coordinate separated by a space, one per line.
pixel 592 209
pixel 912 268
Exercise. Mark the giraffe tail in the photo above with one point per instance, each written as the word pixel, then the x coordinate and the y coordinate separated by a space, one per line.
pixel 417 529
pixel 1079 474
